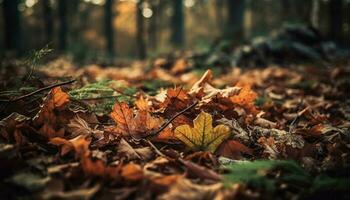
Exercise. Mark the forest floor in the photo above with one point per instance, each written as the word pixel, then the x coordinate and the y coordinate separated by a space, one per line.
pixel 167 130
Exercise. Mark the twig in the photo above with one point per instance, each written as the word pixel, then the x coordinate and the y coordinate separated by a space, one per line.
pixel 172 119
pixel 98 98
pixel 156 149
pixel 38 91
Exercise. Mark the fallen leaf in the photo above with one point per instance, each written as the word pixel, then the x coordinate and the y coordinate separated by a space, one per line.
pixel 246 98
pixel 129 124
pixel 185 189
pixel 132 172
pixel 144 153
pixel 198 171
pixel 60 98
pixel 233 149
pixel 202 136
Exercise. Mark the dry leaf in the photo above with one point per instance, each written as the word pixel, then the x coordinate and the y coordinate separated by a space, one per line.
pixel 233 149
pixel 129 124
pixel 60 98
pixel 127 150
pixel 202 136
pixel 132 172
pixel 246 99
pixel 185 189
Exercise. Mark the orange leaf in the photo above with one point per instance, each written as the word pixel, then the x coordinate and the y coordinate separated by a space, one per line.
pixel 246 99
pixel 123 115
pixel 142 104
pixel 130 125
pixel 132 172
pixel 60 98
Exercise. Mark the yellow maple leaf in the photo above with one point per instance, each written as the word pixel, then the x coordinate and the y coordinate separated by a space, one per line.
pixel 202 136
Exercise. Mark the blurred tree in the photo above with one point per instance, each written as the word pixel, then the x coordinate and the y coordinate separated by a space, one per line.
pixel 219 5
pixel 235 18
pixel 141 46
pixel 48 21
pixel 12 27
pixel 315 14
pixel 109 31
pixel 154 23
pixel 178 26
pixel 336 20
pixel 286 9
pixel 62 14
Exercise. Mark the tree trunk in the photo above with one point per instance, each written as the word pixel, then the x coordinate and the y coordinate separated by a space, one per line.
pixel 141 46
pixel 219 5
pixel 62 35
pixel 178 26
pixel 109 27
pixel 286 9
pixel 336 20
pixel 315 9
pixel 48 21
pixel 235 18
pixel 153 26
pixel 13 39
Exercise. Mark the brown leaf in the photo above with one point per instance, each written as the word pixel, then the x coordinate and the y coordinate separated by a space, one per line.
pixel 185 189
pixel 129 124
pixel 233 149
pixel 194 170
pixel 127 150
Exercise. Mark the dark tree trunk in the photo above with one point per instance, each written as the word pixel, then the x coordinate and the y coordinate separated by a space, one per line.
pixel 48 21
pixel 62 35
pixel 13 39
pixel 178 26
pixel 109 27
pixel 286 9
pixel 141 46
pixel 336 20
pixel 235 18
pixel 314 18
pixel 153 26
pixel 219 13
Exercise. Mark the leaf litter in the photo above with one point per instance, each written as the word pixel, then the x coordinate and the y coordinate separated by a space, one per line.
pixel 246 133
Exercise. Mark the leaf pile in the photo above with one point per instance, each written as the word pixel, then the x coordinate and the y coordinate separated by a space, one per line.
pixel 254 133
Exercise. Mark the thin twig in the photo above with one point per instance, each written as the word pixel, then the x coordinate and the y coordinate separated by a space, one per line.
pixel 38 91
pixel 156 149
pixel 172 119
pixel 98 98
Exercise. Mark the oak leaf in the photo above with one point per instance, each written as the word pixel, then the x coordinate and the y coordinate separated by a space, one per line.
pixel 202 136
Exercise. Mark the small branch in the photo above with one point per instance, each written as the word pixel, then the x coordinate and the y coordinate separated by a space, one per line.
pixel 156 149
pixel 98 98
pixel 172 119
pixel 38 91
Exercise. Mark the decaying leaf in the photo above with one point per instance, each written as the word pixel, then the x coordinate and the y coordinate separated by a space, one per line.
pixel 48 119
pixel 246 98
pixel 233 149
pixel 281 136
pixel 144 153
pixel 202 136
pixel 185 189
pixel 129 124
pixel 203 89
